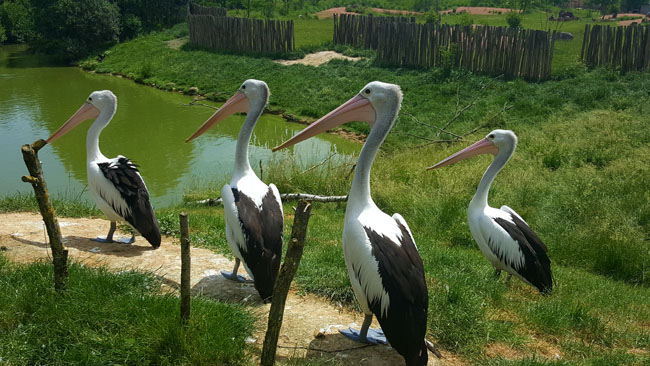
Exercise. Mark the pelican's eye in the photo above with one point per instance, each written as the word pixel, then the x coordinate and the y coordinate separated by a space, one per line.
pixel 367 91
pixel 243 86
pixel 90 99
pixel 491 137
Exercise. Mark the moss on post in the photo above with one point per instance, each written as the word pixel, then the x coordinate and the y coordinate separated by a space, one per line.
pixel 281 288
pixel 36 179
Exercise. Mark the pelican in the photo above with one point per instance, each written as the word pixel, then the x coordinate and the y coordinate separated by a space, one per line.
pixel 253 210
pixel 504 238
pixel 381 257
pixel 116 184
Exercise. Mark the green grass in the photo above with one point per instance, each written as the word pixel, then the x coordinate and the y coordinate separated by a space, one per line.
pixel 580 178
pixel 67 205
pixel 106 318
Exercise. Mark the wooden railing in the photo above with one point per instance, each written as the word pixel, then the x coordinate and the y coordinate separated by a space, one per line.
pixel 513 52
pixel 627 48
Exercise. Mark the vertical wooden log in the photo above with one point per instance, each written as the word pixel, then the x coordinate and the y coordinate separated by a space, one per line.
pixel 281 289
pixel 59 253
pixel 186 261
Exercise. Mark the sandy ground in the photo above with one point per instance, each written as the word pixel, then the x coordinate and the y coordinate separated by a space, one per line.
pixel 625 23
pixel 329 13
pixel 311 324
pixel 318 58
pixel 478 10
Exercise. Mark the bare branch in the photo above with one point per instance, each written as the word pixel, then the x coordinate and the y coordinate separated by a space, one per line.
pixel 431 126
pixel 319 164
pixel 285 197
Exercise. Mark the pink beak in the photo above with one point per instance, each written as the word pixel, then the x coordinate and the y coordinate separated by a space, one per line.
pixel 87 111
pixel 483 146
pixel 237 103
pixel 356 109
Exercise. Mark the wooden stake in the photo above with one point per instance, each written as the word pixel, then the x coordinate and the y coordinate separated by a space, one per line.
pixel 185 266
pixel 36 179
pixel 281 289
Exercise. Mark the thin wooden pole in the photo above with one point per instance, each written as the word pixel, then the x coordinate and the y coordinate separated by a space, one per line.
pixel 59 253
pixel 281 289
pixel 185 266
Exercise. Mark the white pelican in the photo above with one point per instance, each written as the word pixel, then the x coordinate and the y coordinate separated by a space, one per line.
pixel 253 210
pixel 116 184
pixel 504 238
pixel 382 260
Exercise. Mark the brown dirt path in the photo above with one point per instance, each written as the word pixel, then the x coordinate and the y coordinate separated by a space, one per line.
pixel 310 326
pixel 329 13
pixel 317 59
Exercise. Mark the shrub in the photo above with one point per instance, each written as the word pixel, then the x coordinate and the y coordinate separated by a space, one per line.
pixel 513 19
pixel 16 16
pixel 466 19
pixel 73 29
pixel 2 34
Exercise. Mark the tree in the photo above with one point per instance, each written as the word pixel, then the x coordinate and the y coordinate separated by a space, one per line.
pixel 74 29
pixel 16 17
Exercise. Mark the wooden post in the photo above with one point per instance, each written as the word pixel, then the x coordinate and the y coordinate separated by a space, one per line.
pixel 281 289
pixel 59 253
pixel 185 267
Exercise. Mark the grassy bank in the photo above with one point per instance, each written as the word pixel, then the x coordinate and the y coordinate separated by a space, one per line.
pixel 107 318
pixel 580 178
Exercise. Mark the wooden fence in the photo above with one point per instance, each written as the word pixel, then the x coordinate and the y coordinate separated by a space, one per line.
pixel 624 47
pixel 242 34
pixel 360 30
pixel 196 9
pixel 513 52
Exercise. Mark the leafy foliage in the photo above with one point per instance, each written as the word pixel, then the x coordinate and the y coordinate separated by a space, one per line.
pixel 16 16
pixel 73 29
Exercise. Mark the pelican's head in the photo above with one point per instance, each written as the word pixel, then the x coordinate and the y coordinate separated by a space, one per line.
pixel 373 99
pixel 97 101
pixel 251 91
pixel 495 142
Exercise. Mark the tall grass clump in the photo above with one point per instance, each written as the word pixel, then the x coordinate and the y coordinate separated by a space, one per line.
pixel 67 205
pixel 105 318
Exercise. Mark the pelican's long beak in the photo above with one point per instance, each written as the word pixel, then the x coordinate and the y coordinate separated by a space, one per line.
pixel 237 103
pixel 355 109
pixel 87 111
pixel 483 146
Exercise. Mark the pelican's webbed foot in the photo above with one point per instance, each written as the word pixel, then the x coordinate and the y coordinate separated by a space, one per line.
pixel 373 336
pixel 234 277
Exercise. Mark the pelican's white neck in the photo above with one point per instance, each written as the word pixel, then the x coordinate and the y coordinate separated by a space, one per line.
pixel 480 199
pixel 92 139
pixel 360 190
pixel 242 165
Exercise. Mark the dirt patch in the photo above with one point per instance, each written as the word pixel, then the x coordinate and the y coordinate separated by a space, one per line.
pixel 502 350
pixel 478 10
pixel 329 13
pixel 318 58
pixel 311 324
pixel 177 43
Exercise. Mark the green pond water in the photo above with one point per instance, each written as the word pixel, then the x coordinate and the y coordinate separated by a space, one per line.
pixel 150 128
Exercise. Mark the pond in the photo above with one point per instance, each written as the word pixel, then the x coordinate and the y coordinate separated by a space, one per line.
pixel 150 128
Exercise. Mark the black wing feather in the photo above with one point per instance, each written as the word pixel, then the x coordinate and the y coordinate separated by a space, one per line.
pixel 124 176
pixel 402 275
pixel 262 230
pixel 537 265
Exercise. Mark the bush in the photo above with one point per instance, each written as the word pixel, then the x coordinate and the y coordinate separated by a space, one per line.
pixel 513 19
pixel 466 19
pixel 2 34
pixel 16 16
pixel 130 27
pixel 73 29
